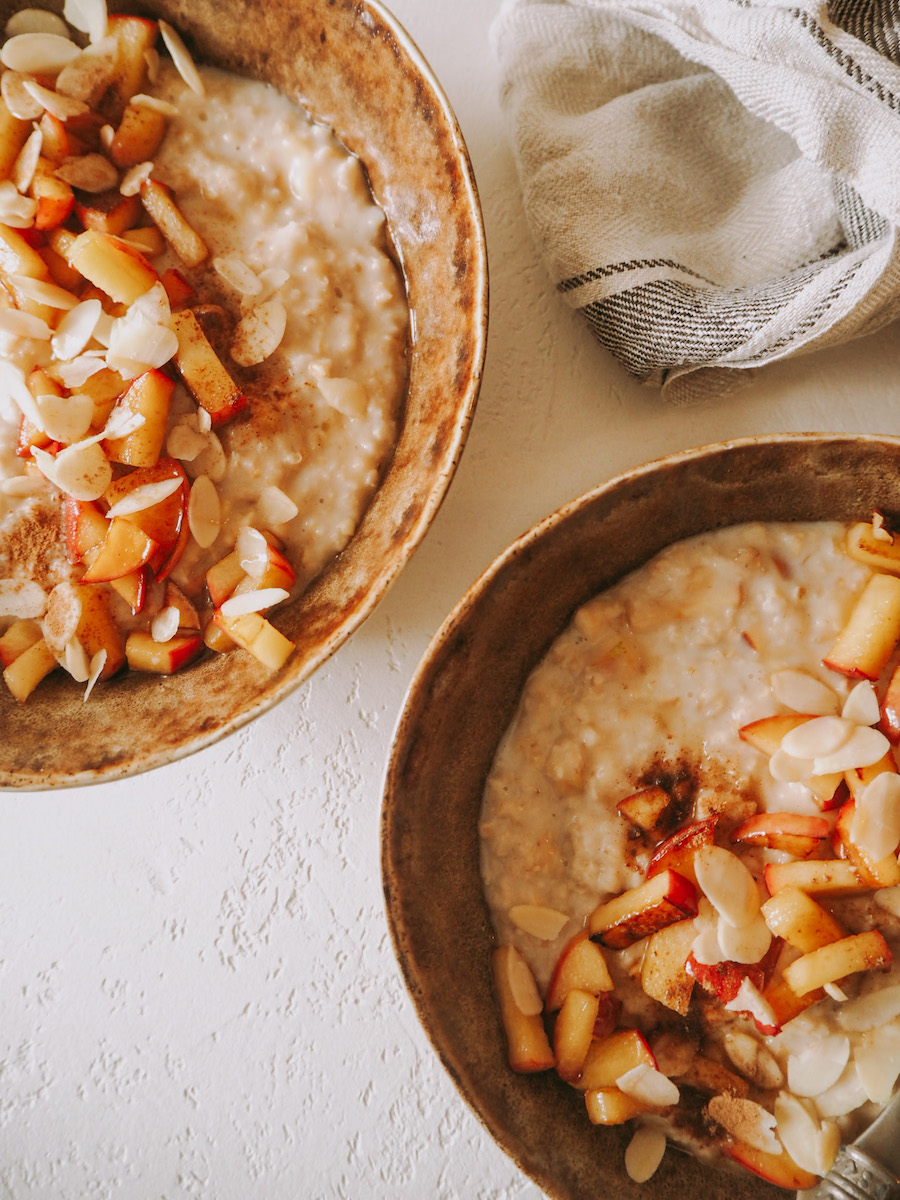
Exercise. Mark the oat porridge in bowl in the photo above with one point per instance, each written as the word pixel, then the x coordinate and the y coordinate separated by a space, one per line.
pixel 681 800
pixel 224 357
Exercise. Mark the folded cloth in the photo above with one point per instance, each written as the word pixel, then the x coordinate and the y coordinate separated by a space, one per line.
pixel 712 183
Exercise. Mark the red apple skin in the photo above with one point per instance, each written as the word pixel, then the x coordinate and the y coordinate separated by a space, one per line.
pixel 724 979
pixel 84 528
pixel 677 852
pixel 125 550
pixel 775 1168
pixel 658 902
pixel 796 833
pixel 890 709
pixel 162 658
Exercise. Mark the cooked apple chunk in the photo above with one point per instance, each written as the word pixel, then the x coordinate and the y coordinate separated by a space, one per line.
pixel 138 137
pixel 169 219
pixel 528 1048
pixel 857 952
pixel 609 1058
pixel 825 878
pixel 663 974
pixel 635 914
pixel 148 397
pixel 161 658
pixel 202 370
pixel 880 553
pixel 115 267
pixel 254 633
pixel 648 810
pixel 581 965
pixel 573 1032
pixel 796 918
pixel 21 635
pixel 27 670
pixel 867 641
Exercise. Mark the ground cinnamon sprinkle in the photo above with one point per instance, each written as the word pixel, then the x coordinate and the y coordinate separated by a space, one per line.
pixel 31 544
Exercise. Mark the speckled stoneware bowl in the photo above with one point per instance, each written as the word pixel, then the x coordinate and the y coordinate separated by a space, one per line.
pixel 460 702
pixel 351 66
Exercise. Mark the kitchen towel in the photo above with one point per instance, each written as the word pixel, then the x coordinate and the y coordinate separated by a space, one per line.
pixel 712 183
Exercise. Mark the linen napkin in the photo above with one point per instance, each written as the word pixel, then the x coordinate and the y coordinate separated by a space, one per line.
pixel 712 183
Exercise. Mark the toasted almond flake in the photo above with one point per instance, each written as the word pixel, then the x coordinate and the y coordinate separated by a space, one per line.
pixel 17 98
pixel 754 1060
pixel 35 20
pixel 522 986
pixel 107 136
pixel 134 177
pixel 879 530
pixel 142 100
pixel 747 1121
pixel 23 598
pixel 144 496
pixel 81 471
pixel 204 420
pixel 90 173
pixel 644 1153
pixel 871 1010
pixel 889 899
pixel 272 278
pixel 138 346
pixel 837 994
pixel 121 423
pixel 798 1130
pixel 22 486
pixel 88 75
pixel 346 395
pixel 276 508
pixel 151 58
pixel 88 16
pixel 727 884
pixel 75 661
pixel 750 999
pixel 65 418
pixel 251 602
pixel 864 748
pixel 212 460
pixel 542 923
pixel 75 329
pixel 861 705
pixel 98 662
pixel 843 1097
pixel 38 53
pixel 259 333
pixel 62 618
pixel 803 693
pixel 205 514
pixel 39 290
pixel 253 551
pixel 788 769
pixel 62 107
pixel 185 442
pixel 236 273
pixel 877 1059
pixel 816 738
pixel 164 625
pixel 24 325
pixel 875 827
pixel 16 210
pixel 184 64
pixel 645 1083
pixel 27 160
pixel 12 382
pixel 75 373
pixel 745 943
pixel 818 1065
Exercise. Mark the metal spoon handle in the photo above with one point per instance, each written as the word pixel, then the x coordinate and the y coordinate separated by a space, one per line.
pixel 855 1176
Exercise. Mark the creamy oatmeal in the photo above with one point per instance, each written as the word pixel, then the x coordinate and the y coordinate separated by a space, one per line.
pixel 650 793
pixel 203 352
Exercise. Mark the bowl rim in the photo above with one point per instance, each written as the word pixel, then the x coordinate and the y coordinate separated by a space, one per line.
pixel 374 14
pixel 428 672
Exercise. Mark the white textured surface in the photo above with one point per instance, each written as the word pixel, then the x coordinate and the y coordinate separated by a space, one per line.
pixel 198 992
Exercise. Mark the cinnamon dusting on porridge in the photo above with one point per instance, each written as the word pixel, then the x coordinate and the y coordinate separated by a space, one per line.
pixel 700 796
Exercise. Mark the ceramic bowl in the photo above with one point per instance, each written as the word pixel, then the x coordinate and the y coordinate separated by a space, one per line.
pixel 350 65
pixel 460 702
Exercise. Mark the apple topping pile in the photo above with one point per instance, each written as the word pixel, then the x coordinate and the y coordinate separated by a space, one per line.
pixel 744 978
pixel 95 340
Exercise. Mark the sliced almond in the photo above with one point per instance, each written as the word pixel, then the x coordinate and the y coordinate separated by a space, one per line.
pixel 75 661
pixel 205 514
pixel 788 769
pixel 98 662
pixel 89 16
pixel 542 923
pixel 644 1153
pixel 89 173
pixel 861 705
pixel 522 986
pixel 17 97
pixel 238 275
pixel 62 617
pixel 818 1065
pixel 81 471
pixel 16 210
pixel 64 108
pixel 645 1083
pixel 744 943
pixel 75 329
pixel 875 827
pixel 253 551
pixel 38 53
pixel 164 625
pixel 87 76
pixel 43 292
pixel 24 325
pixel 27 160
pixel 258 335
pixel 864 747
pixel 252 602
pixel 746 1121
pixel 871 1010
pixel 154 102
pixel 144 497
pixel 134 177
pixel 276 508
pixel 818 737
pixel 727 884
pixel 803 693
pixel 35 20
pixel 65 418
pixel 181 57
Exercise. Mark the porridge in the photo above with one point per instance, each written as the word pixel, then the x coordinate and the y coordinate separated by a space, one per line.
pixel 202 352
pixel 689 849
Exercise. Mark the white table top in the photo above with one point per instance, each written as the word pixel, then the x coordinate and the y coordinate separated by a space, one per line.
pixel 198 990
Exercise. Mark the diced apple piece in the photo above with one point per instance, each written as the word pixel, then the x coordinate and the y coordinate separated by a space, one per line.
pixel 133 36
pixel 786 1004
pixel 648 810
pixel 133 588
pixel 278 573
pixel 104 387
pixel 661 901
pixel 823 878
pixel 109 212
pixel 202 371
pixel 609 1058
pixel 161 658
pixel 610 1106
pixel 224 576
pixel 174 597
pixel 55 198
pixel 30 436
pixel 796 918
pixel 766 734
pixel 57 142
pixel 779 1169
pixel 857 952
pixel 254 633
pixel 97 629
pixel 581 965
pixel 875 552
pixel 60 271
pixel 112 265
pixel 859 778
pixel 84 529
pixel 795 833
pixel 677 852
pixel 18 258
pixel 149 396
pixel 170 221
pixel 216 639
pixel 125 549
pixel 27 670
pixel 724 979
pixel 527 1047
pixel 890 709
pixel 573 1032
pixel 13 135
pixel 867 641
pixel 663 974
pixel 177 288
pixel 139 135
pixel 20 636
pixel 875 874
pixel 165 522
